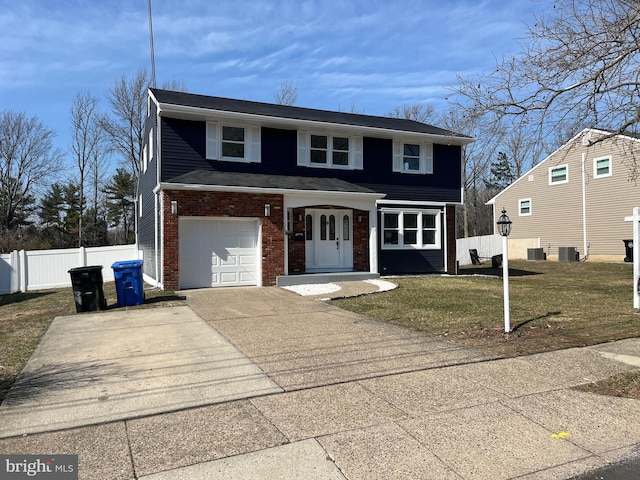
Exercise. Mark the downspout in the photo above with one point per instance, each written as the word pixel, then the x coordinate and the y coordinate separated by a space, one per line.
pixel 584 209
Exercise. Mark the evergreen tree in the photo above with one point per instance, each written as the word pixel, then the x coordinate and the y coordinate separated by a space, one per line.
pixel 120 192
pixel 502 174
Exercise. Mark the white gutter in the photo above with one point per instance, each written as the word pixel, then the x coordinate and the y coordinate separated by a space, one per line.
pixel 276 191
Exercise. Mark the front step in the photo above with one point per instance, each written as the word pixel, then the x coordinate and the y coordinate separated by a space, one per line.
pixel 315 278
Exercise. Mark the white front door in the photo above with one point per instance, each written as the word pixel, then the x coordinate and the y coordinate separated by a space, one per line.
pixel 329 240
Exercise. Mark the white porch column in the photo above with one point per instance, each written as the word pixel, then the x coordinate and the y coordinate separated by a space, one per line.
pixel 373 240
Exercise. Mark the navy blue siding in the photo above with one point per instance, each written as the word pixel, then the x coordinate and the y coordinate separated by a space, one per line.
pixel 147 181
pixel 393 262
pixel 183 147
pixel 410 260
pixel 183 150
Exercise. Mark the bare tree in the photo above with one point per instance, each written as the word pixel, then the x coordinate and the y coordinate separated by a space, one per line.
pixel 125 128
pixel 86 146
pixel 420 112
pixel 28 160
pixel 578 67
pixel 476 160
pixel 174 85
pixel 288 94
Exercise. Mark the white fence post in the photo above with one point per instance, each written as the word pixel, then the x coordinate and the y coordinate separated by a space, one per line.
pixel 23 270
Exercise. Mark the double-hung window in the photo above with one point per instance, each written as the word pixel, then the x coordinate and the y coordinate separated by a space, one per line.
pixel 412 157
pixel 412 229
pixel 524 207
pixel 601 167
pixel 232 142
pixel 559 174
pixel 329 151
pixel 235 143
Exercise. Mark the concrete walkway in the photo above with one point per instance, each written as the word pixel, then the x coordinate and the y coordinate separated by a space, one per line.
pixel 319 394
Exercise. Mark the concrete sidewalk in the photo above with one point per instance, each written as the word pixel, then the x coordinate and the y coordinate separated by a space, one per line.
pixel 344 397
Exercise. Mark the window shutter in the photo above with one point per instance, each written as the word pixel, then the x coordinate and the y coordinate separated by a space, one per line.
pixel 303 149
pixel 428 159
pixel 357 153
pixel 254 144
pixel 397 156
pixel 212 140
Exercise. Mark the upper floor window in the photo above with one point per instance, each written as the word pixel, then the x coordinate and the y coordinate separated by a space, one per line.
pixel 601 167
pixel 412 157
pixel 524 207
pixel 329 151
pixel 411 229
pixel 232 142
pixel 559 174
pixel 236 143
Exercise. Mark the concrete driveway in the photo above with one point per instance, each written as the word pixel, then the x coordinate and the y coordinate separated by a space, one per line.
pixel 263 384
pixel 301 343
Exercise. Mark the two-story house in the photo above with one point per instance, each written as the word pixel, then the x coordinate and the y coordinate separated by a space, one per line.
pixel 235 192
pixel 577 197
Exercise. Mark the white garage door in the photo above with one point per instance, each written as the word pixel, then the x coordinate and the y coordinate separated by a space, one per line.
pixel 218 252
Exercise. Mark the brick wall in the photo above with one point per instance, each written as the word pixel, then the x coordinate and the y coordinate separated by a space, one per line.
pixel 361 241
pixel 224 204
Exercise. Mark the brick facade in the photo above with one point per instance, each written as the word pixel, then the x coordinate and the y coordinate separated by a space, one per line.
pixel 239 205
pixel 224 204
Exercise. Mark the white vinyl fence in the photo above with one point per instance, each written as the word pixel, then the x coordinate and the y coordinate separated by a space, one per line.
pixel 490 245
pixel 21 271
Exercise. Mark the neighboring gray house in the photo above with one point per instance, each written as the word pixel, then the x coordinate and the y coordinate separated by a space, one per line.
pixel 577 197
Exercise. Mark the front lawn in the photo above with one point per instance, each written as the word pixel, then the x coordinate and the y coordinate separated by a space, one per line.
pixel 554 305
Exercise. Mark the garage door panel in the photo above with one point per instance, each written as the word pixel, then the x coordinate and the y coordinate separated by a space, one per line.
pixel 215 252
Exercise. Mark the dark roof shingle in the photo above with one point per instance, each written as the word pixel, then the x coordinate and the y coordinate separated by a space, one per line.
pixel 298 113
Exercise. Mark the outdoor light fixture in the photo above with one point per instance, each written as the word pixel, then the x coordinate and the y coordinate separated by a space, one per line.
pixel 267 210
pixel 359 218
pixel 174 207
pixel 504 224
pixel 299 217
pixel 504 229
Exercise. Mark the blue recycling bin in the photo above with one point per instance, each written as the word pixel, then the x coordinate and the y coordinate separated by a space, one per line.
pixel 129 283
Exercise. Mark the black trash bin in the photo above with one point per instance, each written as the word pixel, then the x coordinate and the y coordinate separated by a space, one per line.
pixel 628 245
pixel 88 288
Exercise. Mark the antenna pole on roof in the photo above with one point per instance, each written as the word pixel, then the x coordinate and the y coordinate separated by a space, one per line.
pixel 153 61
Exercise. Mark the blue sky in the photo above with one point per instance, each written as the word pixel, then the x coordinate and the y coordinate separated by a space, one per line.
pixel 367 54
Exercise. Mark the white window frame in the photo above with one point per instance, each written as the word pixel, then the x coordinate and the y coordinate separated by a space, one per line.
pixel 558 167
pixel 419 245
pixel 595 167
pixel 426 157
pixel 252 142
pixel 520 202
pixel 145 158
pixel 354 154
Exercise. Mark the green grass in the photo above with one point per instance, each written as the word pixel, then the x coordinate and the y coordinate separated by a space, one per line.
pixel 25 317
pixel 553 305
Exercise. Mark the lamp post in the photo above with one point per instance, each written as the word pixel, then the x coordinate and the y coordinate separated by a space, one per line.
pixel 504 229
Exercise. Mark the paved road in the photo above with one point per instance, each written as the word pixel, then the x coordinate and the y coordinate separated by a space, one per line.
pixel 629 470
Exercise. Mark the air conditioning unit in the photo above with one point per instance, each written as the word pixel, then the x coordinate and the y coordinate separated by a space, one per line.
pixel 535 254
pixel 568 254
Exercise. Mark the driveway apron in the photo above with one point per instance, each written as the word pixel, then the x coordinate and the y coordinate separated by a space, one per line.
pixel 303 343
pixel 97 368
